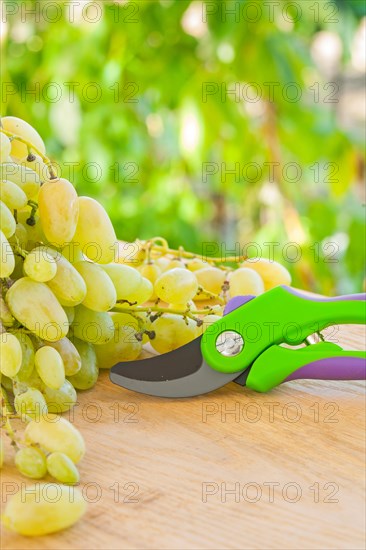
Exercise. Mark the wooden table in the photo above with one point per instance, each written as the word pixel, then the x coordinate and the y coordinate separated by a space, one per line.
pixel 232 469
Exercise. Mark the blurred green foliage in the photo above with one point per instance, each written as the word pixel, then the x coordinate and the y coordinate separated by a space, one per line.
pixel 156 146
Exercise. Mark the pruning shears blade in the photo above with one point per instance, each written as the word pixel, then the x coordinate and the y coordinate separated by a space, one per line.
pixel 179 373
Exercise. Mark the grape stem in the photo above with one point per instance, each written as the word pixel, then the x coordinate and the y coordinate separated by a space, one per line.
pixel 181 253
pixel 156 309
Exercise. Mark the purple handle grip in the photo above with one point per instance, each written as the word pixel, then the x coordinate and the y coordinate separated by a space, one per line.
pixel 332 368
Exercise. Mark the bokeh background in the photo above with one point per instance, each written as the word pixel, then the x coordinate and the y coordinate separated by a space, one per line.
pixel 134 98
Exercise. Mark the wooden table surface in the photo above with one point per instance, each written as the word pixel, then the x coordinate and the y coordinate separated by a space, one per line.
pixel 231 469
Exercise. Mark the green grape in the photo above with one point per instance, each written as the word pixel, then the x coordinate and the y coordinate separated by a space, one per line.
pixel 7 221
pixel 20 237
pixel 61 400
pixel 126 279
pixel 131 254
pixel 176 286
pixel 68 285
pixel 172 331
pixel 163 263
pixel 40 266
pixel 62 468
pixel 211 279
pixel 7 260
pixel 70 355
pixel 6 318
pixel 43 509
pixel 27 365
pixel 73 253
pixel 59 211
pixel 34 236
pixel 151 272
pixel 208 320
pixel 182 307
pixel 87 376
pixel 100 292
pixel 245 281
pixel 11 354
pixel 12 195
pixel 55 433
pixel 50 367
pixel 143 293
pixel 22 129
pixel 30 404
pixel 272 273
pixel 5 147
pixel 95 232
pixel 25 178
pixel 6 382
pixel 33 381
pixel 124 346
pixel 95 327
pixel 70 313
pixel 35 306
pixel 196 264
pixel 31 462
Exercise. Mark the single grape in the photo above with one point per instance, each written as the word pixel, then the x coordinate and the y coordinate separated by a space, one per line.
pixel 87 375
pixel 125 279
pixel 163 263
pixel 34 234
pixel 176 263
pixel 70 313
pixel 40 266
pixel 31 462
pixel 27 365
pixel 130 254
pixel 55 433
pixel 12 195
pixel 68 285
pixel 5 147
pixel 59 211
pixel 20 237
pixel 92 326
pixel 50 367
pixel 70 355
pixel 35 306
pixel 100 291
pixel 124 346
pixel 30 404
pixel 72 252
pixel 143 293
pixel 196 264
pixel 211 279
pixel 6 318
pixel 150 271
pixel 272 273
pixel 62 468
pixel 176 286
pixel 245 281
pixel 43 509
pixel 11 354
pixel 25 178
pixel 7 221
pixel 94 232
pixel 7 260
pixel 171 332
pixel 61 400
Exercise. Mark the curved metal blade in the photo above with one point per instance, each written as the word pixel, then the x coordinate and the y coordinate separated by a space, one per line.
pixel 179 373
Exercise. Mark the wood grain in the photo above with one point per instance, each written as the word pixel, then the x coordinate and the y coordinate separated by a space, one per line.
pixel 306 438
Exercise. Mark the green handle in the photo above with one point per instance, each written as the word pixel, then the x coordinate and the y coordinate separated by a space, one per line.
pixel 324 361
pixel 281 315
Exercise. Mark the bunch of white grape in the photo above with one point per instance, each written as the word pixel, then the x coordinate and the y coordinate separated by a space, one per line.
pixel 74 300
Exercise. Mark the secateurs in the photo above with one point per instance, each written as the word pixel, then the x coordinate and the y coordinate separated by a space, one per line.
pixel 245 346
